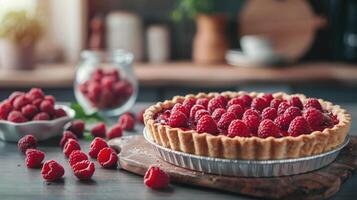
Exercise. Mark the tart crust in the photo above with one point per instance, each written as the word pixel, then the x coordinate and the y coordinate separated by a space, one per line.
pixel 247 148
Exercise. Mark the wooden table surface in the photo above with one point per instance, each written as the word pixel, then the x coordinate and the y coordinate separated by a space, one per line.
pixel 18 182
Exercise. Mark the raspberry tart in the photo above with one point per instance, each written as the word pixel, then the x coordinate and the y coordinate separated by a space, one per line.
pixel 248 126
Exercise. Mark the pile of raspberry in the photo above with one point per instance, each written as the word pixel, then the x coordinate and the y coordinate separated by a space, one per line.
pixel 34 105
pixel 244 116
pixel 106 89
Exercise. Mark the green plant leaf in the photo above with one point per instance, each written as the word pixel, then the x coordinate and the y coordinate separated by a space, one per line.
pixel 80 114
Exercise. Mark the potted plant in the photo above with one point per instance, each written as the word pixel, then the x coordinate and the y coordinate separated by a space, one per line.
pixel 19 32
pixel 210 42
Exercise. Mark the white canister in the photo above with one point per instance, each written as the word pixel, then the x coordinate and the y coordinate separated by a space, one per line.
pixel 125 31
pixel 158 43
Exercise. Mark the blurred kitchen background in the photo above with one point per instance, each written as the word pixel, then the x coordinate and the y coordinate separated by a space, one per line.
pixel 185 46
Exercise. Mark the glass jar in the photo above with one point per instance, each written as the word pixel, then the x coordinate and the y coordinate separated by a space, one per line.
pixel 105 82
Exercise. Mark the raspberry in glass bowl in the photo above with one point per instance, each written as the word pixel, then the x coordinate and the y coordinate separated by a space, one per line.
pixel 105 82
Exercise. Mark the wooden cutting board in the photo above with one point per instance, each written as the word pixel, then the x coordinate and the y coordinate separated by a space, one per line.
pixel 136 155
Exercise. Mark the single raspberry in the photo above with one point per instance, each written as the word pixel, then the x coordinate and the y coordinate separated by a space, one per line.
pixel 140 116
pixel 51 99
pixel 96 145
pixel 259 103
pixel 207 125
pixel 47 107
pixel 37 102
pixel 178 119
pixel 5 109
pixel 282 107
pixel 269 113
pixel 70 146
pixel 314 117
pixel 181 108
pixel 222 99
pixel 217 114
pixel 16 117
pixel 155 178
pixel 268 97
pixel 83 170
pixel 238 128
pixel 60 113
pixel 115 131
pixel 67 135
pixel 293 112
pixel 27 142
pixel 35 93
pixel 252 121
pixel 42 116
pixel 29 111
pixel 97 75
pixel 127 121
pixel 225 120
pixel 34 158
pixel 329 120
pixel 247 100
pixel 215 103
pixel 52 170
pixel 283 121
pixel 194 109
pixel 268 128
pixel 203 102
pixel 295 101
pixel 299 126
pixel 108 82
pixel 20 102
pixel 77 156
pixel 237 110
pixel 14 95
pixel 251 111
pixel 199 114
pixel 94 91
pixel 107 158
pixel 114 73
pixel 313 103
pixel 99 130
pixel 236 100
pixel 163 118
pixel 189 103
pixel 275 103
pixel 77 127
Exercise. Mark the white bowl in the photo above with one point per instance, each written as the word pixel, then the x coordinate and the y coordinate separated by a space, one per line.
pixel 41 130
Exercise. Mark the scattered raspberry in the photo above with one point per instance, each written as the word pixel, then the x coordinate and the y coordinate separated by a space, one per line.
pixel 237 110
pixel 295 101
pixel 217 114
pixel 247 100
pixel 35 93
pixel 127 121
pixel 107 158
pixel 181 108
pixel 252 121
pixel 251 111
pixel 313 103
pixel 34 158
pixel 283 121
pixel 282 107
pixel 77 127
pixel 268 128
pixel 20 102
pixel 84 170
pixel 97 145
pixel 67 135
pixel 60 113
pixel 268 97
pixel 225 120
pixel 269 113
pixel 70 146
pixel 178 119
pixel 215 103
pixel 314 117
pixel 140 116
pixel 199 114
pixel 293 112
pixel 29 111
pixel 16 117
pixel 155 178
pixel 275 103
pixel 207 125
pixel 259 103
pixel 194 109
pixel 203 102
pixel 77 156
pixel 52 170
pixel 235 101
pixel 99 130
pixel 5 109
pixel 238 128
pixel 115 131
pixel 47 107
pixel 27 142
pixel 42 116
pixel 189 103
pixel 299 126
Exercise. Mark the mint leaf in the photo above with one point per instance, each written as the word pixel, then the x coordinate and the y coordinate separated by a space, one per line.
pixel 80 114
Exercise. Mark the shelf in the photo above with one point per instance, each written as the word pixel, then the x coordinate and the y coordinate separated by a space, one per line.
pixel 192 75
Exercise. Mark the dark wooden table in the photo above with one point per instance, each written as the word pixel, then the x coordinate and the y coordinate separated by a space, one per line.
pixel 18 182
